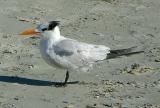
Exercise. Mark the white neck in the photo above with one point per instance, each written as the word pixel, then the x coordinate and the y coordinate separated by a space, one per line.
pixel 56 32
pixel 53 35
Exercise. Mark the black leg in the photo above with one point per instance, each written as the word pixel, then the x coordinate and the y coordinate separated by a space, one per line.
pixel 67 77
pixel 65 81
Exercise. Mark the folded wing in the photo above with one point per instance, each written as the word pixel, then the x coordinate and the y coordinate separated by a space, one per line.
pixel 74 54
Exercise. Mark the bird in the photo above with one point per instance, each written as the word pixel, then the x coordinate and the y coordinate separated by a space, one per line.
pixel 70 54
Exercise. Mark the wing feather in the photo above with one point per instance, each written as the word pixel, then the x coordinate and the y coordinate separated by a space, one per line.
pixel 78 54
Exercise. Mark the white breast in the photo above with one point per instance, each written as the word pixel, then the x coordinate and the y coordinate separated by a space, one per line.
pixel 51 59
pixel 44 50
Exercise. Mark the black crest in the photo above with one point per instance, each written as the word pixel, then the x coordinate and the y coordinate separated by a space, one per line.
pixel 53 24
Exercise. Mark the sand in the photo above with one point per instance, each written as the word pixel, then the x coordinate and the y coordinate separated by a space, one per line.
pixel 125 82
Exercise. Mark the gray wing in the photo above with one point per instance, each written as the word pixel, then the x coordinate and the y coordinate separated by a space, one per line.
pixel 71 53
pixel 61 51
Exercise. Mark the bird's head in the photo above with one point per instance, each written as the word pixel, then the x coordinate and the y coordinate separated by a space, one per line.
pixel 44 30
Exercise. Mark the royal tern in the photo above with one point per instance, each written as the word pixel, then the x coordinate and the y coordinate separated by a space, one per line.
pixel 70 54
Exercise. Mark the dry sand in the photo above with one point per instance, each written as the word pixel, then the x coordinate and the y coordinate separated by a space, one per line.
pixel 126 82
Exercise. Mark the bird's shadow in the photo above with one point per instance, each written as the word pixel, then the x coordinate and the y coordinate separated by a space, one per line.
pixel 28 81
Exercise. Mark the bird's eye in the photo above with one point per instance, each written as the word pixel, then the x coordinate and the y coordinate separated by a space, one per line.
pixel 44 29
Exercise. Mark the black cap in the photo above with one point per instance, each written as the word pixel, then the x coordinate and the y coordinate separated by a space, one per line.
pixel 53 24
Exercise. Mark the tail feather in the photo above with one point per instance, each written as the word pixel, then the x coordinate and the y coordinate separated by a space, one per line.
pixel 121 52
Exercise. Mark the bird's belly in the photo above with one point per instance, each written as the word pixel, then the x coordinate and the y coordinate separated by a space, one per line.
pixel 51 61
pixel 46 56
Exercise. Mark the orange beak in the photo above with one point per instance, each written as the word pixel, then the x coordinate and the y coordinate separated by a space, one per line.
pixel 29 32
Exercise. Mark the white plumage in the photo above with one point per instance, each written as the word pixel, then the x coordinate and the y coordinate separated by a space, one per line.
pixel 71 54
pixel 68 53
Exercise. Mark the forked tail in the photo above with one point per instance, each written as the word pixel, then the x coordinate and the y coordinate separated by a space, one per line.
pixel 121 52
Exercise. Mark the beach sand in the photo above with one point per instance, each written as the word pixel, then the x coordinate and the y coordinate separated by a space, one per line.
pixel 125 82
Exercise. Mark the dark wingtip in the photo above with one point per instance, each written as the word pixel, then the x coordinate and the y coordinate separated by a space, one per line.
pixel 126 52
pixel 53 24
